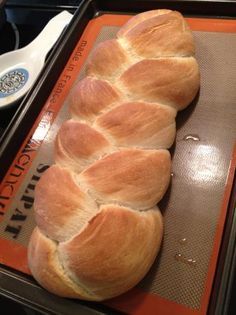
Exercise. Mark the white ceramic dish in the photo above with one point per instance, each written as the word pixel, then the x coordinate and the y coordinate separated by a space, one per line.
pixel 20 68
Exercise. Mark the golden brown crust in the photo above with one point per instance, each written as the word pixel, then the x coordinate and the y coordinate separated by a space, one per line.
pixel 169 30
pixel 90 96
pixel 170 81
pixel 77 145
pixel 139 18
pixel 139 124
pixel 107 59
pixel 48 271
pixel 132 177
pixel 107 265
pixel 61 207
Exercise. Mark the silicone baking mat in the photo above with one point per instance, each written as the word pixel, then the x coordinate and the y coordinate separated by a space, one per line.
pixel 194 207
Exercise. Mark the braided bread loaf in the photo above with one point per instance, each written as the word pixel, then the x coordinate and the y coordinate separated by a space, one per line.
pixel 98 227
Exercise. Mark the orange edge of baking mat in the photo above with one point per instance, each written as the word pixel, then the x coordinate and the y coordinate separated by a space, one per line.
pixel 135 301
pixel 13 252
pixel 219 231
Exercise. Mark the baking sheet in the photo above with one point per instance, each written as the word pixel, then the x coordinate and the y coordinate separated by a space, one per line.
pixel 195 206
